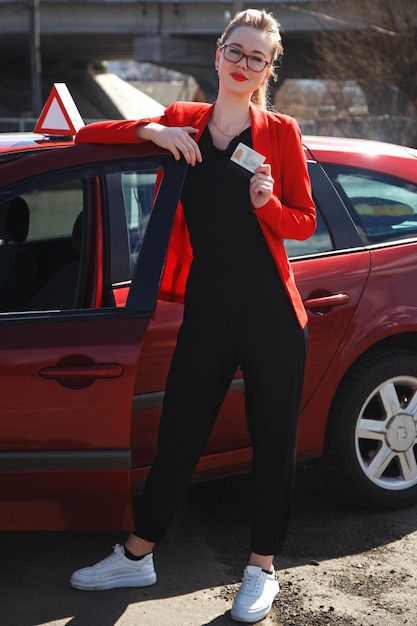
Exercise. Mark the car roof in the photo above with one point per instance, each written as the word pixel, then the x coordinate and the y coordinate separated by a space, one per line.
pixel 381 156
pixel 12 141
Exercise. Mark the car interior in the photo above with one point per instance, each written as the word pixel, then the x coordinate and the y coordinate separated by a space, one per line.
pixel 17 263
pixel 36 273
pixel 60 289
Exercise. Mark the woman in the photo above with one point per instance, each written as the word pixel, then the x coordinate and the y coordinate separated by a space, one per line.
pixel 242 308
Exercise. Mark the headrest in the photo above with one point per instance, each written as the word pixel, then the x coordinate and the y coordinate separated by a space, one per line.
pixel 14 220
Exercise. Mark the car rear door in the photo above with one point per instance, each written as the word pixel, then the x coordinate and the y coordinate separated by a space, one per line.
pixel 331 269
pixel 67 376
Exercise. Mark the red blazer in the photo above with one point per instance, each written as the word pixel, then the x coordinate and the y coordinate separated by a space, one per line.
pixel 289 214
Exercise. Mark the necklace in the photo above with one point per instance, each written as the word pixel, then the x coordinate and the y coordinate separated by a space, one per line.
pixel 226 134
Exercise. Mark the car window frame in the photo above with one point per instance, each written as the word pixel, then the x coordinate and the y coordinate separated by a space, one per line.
pixel 142 302
pixel 341 228
pixel 375 241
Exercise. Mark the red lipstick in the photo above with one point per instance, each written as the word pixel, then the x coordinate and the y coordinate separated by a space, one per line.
pixel 238 76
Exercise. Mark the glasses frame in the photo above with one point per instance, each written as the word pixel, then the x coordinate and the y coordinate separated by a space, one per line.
pixel 224 47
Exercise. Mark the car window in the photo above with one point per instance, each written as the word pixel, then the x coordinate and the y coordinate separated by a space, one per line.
pixel 320 241
pixel 40 248
pixel 138 191
pixel 53 209
pixel 73 236
pixel 382 206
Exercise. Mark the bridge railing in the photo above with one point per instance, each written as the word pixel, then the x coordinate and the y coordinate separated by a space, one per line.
pixel 390 128
pixel 23 124
pixel 17 124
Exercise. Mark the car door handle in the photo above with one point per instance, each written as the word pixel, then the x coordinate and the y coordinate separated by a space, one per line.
pixel 322 304
pixel 99 370
pixel 78 371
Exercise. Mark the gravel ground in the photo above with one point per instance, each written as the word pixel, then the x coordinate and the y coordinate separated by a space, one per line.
pixel 341 566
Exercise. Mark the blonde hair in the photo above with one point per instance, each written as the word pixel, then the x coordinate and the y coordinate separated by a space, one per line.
pixel 266 23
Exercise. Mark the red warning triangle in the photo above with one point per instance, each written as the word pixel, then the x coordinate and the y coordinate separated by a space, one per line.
pixel 60 115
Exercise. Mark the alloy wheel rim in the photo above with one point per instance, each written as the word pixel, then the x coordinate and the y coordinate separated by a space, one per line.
pixel 386 434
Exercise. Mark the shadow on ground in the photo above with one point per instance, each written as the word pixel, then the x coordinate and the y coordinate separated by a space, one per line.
pixel 207 548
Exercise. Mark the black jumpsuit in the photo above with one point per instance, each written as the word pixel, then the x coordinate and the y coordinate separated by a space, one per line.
pixel 236 314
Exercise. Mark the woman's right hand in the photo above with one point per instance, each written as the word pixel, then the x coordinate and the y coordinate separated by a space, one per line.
pixel 176 139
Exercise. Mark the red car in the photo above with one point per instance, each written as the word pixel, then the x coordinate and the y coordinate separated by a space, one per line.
pixel 85 346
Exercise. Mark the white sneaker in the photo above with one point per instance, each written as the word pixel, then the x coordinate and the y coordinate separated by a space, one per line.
pixel 256 595
pixel 115 571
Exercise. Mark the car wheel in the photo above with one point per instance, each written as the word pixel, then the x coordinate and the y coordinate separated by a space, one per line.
pixel 370 452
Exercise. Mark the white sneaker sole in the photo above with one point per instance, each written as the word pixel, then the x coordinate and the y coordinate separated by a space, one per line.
pixel 239 614
pixel 114 583
pixel 250 618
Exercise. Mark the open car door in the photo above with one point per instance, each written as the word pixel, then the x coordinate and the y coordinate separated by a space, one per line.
pixel 67 375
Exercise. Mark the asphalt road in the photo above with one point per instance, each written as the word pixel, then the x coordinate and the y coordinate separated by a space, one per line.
pixel 199 566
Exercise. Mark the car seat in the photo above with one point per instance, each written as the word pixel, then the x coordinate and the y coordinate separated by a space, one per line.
pixel 17 265
pixel 60 290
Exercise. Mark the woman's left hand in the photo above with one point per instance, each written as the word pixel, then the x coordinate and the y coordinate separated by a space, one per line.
pixel 261 186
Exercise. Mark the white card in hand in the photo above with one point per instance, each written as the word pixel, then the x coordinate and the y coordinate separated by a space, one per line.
pixel 246 157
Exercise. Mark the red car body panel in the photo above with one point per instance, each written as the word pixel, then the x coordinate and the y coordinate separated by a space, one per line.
pixel 374 155
pixel 83 400
pixel 52 363
pixel 31 500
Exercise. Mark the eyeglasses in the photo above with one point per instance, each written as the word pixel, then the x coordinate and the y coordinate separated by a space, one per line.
pixel 234 55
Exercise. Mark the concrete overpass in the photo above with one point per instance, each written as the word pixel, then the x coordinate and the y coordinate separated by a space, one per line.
pixel 69 39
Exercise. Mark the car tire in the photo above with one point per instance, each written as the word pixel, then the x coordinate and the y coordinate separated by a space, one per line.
pixel 370 451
